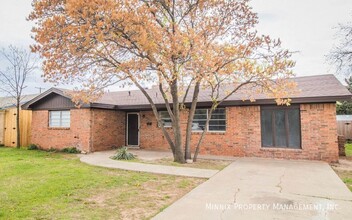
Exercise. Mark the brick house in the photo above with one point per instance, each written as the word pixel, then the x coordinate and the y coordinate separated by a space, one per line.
pixel 305 130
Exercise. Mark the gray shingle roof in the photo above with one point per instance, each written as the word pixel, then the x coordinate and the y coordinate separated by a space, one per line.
pixel 320 88
pixel 10 102
pixel 309 86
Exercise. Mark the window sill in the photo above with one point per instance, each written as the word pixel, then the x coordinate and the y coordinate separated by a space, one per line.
pixel 280 149
pixel 57 128
pixel 209 132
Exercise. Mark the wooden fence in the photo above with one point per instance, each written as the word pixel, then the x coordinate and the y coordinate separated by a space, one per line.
pixel 10 128
pixel 344 128
pixel 2 127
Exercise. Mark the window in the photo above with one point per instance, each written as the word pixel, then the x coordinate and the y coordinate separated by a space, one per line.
pixel 281 127
pixel 216 123
pixel 165 118
pixel 59 119
pixel 218 120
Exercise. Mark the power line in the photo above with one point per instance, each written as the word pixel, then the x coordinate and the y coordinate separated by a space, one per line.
pixel 40 89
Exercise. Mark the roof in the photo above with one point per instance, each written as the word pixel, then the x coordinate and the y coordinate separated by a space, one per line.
pixel 10 102
pixel 313 89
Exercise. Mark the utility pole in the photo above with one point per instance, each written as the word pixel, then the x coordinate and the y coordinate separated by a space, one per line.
pixel 40 89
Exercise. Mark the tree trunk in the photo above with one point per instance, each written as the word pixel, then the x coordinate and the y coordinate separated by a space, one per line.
pixel 18 130
pixel 179 156
pixel 203 134
pixel 188 155
pixel 155 111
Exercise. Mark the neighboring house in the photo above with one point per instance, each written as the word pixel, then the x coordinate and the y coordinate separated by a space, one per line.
pixel 8 121
pixel 305 130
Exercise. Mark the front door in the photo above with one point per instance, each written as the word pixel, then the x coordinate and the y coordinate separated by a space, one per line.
pixel 132 129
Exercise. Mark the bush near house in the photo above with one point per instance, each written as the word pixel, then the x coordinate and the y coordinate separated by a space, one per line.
pixel 32 147
pixel 123 154
pixel 71 150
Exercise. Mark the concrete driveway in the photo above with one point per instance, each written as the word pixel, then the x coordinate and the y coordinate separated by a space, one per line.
pixel 252 188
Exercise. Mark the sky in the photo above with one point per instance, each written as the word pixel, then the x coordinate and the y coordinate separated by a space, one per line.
pixel 305 26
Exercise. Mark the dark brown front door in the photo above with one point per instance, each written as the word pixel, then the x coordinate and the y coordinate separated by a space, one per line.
pixel 132 129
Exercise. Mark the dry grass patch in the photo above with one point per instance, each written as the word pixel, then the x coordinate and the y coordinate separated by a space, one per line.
pixel 201 163
pixel 142 201
pixel 346 177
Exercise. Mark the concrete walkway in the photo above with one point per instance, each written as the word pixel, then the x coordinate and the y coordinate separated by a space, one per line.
pixel 252 188
pixel 102 159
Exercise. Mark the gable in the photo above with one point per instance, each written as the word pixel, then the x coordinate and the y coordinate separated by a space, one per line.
pixel 51 102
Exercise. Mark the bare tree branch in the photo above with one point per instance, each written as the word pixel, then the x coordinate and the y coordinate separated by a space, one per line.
pixel 21 64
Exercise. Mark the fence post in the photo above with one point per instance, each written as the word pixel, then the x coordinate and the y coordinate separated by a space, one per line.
pixel 341 140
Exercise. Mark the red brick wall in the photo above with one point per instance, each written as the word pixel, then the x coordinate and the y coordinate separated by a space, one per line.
pixel 78 135
pixel 151 136
pixel 319 131
pixel 243 134
pixel 94 130
pixel 90 130
pixel 108 129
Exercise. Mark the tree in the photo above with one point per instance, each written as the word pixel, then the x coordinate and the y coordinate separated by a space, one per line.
pixel 20 64
pixel 345 107
pixel 341 54
pixel 183 46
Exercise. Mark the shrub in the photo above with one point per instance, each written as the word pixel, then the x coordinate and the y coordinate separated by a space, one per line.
pixel 1 145
pixel 52 150
pixel 32 147
pixel 123 154
pixel 71 150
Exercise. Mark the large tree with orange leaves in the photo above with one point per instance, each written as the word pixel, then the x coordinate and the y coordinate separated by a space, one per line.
pixel 183 46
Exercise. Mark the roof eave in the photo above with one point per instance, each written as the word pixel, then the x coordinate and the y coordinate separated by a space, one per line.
pixel 103 106
pixel 299 100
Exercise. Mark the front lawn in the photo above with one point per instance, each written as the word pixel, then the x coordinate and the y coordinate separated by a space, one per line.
pixel 346 177
pixel 344 168
pixel 43 185
pixel 348 149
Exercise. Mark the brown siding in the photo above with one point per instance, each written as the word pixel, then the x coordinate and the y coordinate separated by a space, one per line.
pixel 53 101
pixel 243 134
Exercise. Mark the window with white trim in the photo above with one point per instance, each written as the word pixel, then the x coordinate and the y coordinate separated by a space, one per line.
pixel 216 123
pixel 59 119
pixel 166 119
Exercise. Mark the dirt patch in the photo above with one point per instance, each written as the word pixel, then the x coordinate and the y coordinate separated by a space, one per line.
pixel 141 201
pixel 344 170
pixel 201 163
pixel 345 163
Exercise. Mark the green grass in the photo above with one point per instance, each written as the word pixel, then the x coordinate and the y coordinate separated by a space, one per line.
pixel 44 185
pixel 348 182
pixel 348 149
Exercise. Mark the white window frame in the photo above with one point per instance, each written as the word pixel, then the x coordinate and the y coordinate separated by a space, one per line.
pixel 60 122
pixel 207 128
pixel 165 126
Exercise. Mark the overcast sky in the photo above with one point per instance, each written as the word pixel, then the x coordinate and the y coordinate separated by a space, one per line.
pixel 306 26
